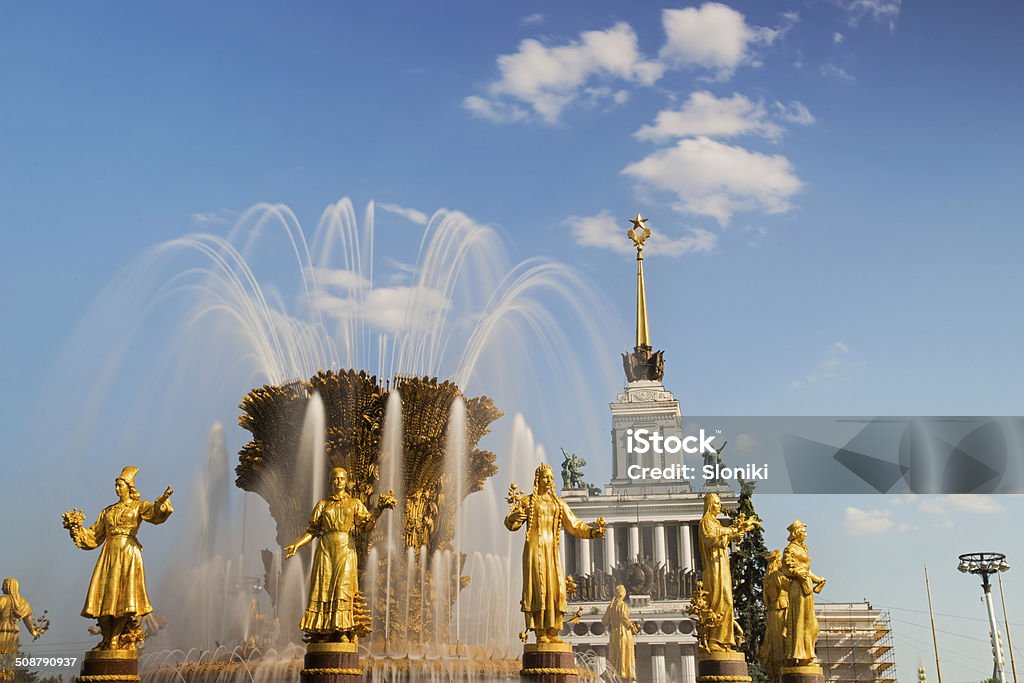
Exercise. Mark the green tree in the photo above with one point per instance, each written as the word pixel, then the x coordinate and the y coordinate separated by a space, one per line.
pixel 749 562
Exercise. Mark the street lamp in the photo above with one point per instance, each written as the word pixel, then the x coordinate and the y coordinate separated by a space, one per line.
pixel 985 565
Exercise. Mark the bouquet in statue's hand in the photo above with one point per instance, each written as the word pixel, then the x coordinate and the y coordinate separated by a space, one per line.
pixel 515 500
pixel 41 626
pixel 744 523
pixel 387 500
pixel 73 520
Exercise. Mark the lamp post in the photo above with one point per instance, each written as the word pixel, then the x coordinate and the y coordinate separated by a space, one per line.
pixel 985 565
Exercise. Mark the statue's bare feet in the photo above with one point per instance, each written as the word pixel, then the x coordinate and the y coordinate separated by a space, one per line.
pixel 543 639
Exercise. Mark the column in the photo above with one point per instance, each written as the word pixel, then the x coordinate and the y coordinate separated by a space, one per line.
pixel 685 547
pixel 634 541
pixel 583 566
pixel 658 672
pixel 659 544
pixel 689 666
pixel 609 549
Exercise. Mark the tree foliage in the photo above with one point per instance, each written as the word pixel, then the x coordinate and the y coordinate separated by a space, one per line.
pixel 749 562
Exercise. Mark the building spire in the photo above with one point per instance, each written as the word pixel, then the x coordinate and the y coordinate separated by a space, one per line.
pixel 639 234
pixel 644 364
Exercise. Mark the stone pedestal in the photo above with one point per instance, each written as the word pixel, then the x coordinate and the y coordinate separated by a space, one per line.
pixel 722 667
pixel 549 663
pixel 331 663
pixel 808 673
pixel 109 666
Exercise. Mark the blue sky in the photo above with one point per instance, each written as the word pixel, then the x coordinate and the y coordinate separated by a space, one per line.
pixel 833 186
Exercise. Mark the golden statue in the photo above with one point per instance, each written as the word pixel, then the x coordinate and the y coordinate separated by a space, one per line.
pixel 336 611
pixel 621 629
pixel 776 603
pixel 801 623
pixel 725 634
pixel 544 513
pixel 14 608
pixel 117 596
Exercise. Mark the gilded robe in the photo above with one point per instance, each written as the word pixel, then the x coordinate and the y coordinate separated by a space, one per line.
pixel 118 584
pixel 544 599
pixel 776 603
pixel 717 579
pixel 621 653
pixel 801 623
pixel 11 612
pixel 334 578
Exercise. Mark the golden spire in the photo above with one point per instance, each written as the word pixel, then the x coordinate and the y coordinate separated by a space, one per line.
pixel 639 234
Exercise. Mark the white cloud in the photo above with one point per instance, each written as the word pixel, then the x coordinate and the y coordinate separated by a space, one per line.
pixel 745 443
pixel 710 178
pixel 339 279
pixel 868 522
pixel 494 111
pixel 829 371
pixel 963 502
pixel 837 38
pixel 794 112
pixel 414 215
pixel 390 309
pixel 885 11
pixel 705 114
pixel 209 219
pixel 549 78
pixel 532 19
pixel 837 72
pixel 712 36
pixel 603 231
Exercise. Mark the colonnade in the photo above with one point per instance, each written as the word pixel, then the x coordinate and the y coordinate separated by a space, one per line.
pixel 668 662
pixel 603 554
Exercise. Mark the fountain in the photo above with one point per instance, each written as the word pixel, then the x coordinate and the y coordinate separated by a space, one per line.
pixel 439 579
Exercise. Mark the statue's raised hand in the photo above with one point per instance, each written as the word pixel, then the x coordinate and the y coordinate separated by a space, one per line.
pixel 289 550
pixel 164 496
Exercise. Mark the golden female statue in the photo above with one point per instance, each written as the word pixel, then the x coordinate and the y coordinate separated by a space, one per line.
pixel 801 624
pixel 117 596
pixel 544 513
pixel 13 608
pixel 721 632
pixel 621 629
pixel 335 609
pixel 776 603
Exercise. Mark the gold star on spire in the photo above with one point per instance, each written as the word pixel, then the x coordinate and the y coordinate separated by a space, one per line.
pixel 639 234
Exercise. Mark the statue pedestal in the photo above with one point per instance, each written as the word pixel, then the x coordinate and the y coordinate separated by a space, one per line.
pixel 722 667
pixel 331 663
pixel 109 666
pixel 808 673
pixel 549 663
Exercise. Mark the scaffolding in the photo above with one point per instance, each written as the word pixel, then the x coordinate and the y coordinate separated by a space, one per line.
pixel 855 643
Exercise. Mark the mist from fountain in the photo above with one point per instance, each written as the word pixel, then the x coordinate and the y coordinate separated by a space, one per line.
pixel 481 627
